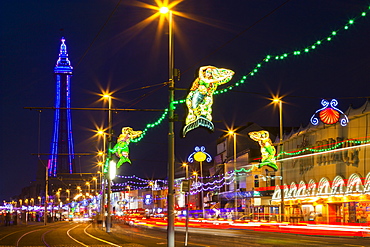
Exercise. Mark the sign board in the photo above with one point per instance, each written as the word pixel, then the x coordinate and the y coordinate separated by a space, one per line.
pixel 185 186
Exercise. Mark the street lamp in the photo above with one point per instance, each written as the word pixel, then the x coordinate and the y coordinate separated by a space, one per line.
pixel 96 185
pixel 187 203
pixel 58 195
pixel 68 193
pixel 129 190
pixel 196 176
pixel 171 134
pixel 151 184
pixel 277 100
pixel 233 134
pixel 101 132
pixel 88 187
pixel 109 97
pixel 46 193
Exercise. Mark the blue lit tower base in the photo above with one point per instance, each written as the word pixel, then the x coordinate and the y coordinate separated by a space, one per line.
pixel 62 152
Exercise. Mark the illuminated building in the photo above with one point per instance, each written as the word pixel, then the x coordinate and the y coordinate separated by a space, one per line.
pixel 327 171
pixel 62 152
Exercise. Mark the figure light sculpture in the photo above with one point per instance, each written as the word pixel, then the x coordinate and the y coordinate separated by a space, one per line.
pixel 267 149
pixel 121 149
pixel 200 98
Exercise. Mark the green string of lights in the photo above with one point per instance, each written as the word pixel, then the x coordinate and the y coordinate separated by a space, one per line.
pixel 319 150
pixel 313 150
pixel 258 66
pixel 305 50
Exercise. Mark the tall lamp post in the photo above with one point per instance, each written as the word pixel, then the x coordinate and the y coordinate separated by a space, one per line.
pixel 187 204
pixel 96 184
pixel 200 155
pixel 233 134
pixel 69 194
pixel 171 134
pixel 88 187
pixel 129 190
pixel 102 198
pixel 46 194
pixel 277 100
pixel 110 134
pixel 151 184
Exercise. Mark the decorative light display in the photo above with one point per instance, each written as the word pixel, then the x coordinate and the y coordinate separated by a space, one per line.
pixel 62 141
pixel 247 170
pixel 199 155
pixel 319 149
pixel 329 114
pixel 148 199
pixel 267 149
pixel 200 98
pixel 200 187
pixel 121 149
pixel 258 66
pixel 220 180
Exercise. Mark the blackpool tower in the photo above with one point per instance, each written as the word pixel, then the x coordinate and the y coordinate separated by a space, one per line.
pixel 62 152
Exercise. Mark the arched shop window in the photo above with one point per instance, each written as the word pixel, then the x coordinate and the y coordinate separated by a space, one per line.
pixel 354 184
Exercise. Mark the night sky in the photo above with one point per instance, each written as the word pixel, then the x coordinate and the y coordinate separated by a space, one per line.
pixel 112 48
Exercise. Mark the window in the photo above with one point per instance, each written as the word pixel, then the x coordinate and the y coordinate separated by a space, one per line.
pixel 256 181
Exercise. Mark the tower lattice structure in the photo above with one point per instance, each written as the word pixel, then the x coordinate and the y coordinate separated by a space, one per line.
pixel 61 158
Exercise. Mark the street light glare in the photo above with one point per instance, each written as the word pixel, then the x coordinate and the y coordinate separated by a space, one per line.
pixel 164 10
pixel 231 132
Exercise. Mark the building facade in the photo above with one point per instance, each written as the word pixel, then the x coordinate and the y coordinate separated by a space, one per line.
pixel 326 171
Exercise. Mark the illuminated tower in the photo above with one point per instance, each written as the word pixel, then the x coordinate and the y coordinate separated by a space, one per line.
pixel 62 152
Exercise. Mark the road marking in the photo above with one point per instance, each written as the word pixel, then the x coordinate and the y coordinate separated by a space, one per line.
pixel 74 238
pixel 102 240
pixel 312 241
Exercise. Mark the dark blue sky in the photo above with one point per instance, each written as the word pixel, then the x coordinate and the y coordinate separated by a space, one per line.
pixel 122 56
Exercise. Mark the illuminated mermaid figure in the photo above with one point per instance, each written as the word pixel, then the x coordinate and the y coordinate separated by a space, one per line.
pixel 200 98
pixel 267 149
pixel 121 148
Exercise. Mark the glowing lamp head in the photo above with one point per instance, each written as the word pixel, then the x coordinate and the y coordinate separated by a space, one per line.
pixel 231 132
pixel 164 10
pixel 276 100
pixel 200 156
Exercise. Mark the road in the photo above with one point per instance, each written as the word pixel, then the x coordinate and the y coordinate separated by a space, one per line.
pixel 85 234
